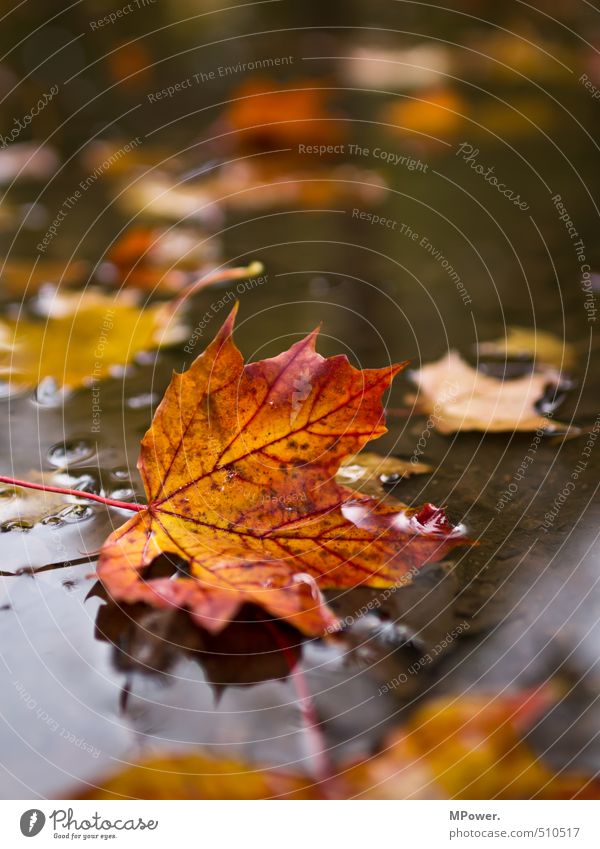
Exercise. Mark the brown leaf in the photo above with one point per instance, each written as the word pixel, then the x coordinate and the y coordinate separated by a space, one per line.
pixel 458 397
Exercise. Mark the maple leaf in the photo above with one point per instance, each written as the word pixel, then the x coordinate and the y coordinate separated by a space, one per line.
pixel 239 469
pixel 459 397
pixel 81 337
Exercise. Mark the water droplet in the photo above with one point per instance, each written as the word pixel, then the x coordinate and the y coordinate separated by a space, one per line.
pixel 70 452
pixel 15 525
pixel 52 521
pixel 118 370
pixel 146 358
pixel 76 513
pixel 390 479
pixel 6 390
pixel 88 483
pixel 48 393
pixel 123 494
pixel 351 473
pixel 140 402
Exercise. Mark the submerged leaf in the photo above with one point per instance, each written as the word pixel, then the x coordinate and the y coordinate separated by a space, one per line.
pixel 19 276
pixel 266 114
pixel 155 258
pixel 458 397
pixel 239 469
pixel 470 748
pixel 461 748
pixel 369 472
pixel 80 338
pixel 539 345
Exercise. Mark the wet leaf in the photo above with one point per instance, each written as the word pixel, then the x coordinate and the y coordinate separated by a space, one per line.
pixel 198 777
pixel 27 161
pixel 154 258
pixel 239 468
pixel 370 473
pixel 417 66
pixel 528 342
pixel 22 276
pixel 438 113
pixel 250 185
pixel 470 748
pixel 462 748
pixel 79 338
pixel 265 114
pixel 458 397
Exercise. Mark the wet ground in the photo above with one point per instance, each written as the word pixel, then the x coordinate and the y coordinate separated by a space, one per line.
pixel 87 685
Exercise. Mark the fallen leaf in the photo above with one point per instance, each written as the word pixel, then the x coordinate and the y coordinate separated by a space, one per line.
pixel 157 258
pixel 421 65
pixel 116 157
pixel 239 466
pixel 160 195
pixel 265 114
pixel 469 748
pixel 527 342
pixel 458 397
pixel 369 472
pixel 438 113
pixel 80 338
pixel 460 748
pixel 24 276
pixel 247 185
pixel 27 161
pixel 198 777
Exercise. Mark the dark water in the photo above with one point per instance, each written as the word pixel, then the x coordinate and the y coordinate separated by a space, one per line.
pixel 87 686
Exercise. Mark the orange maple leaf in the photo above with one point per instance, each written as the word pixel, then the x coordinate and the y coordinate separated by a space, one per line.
pixel 239 468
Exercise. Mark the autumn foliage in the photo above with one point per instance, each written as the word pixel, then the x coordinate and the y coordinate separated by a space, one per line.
pixel 239 470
